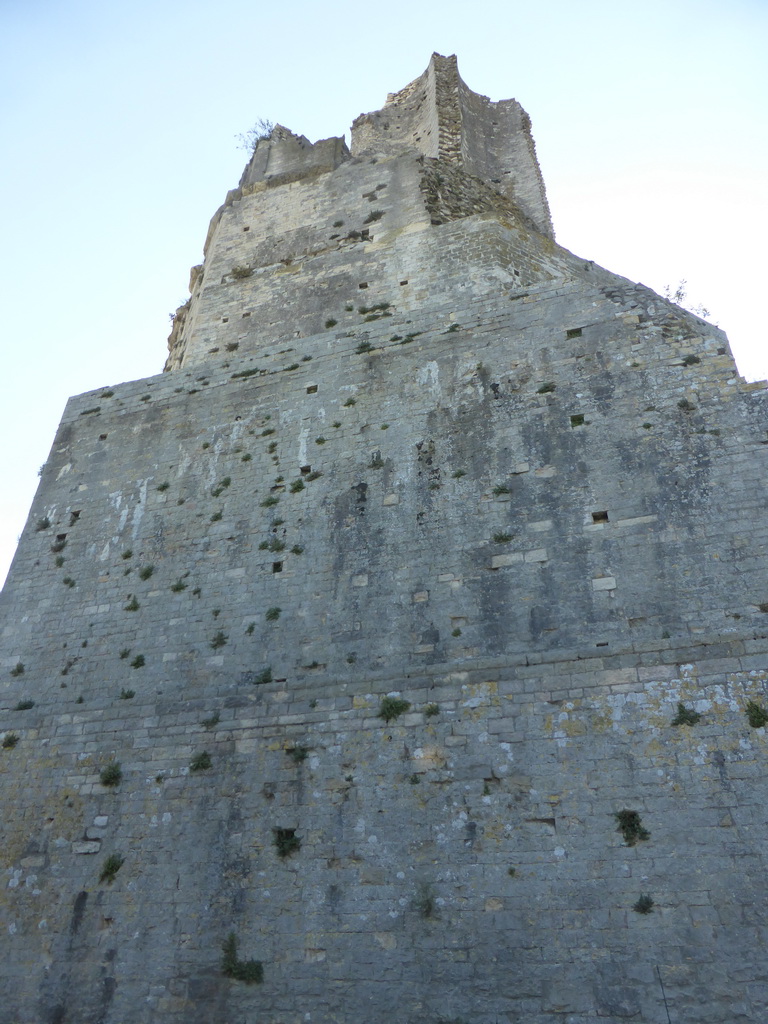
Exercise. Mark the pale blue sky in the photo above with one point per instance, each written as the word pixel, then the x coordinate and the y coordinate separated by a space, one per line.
pixel 118 123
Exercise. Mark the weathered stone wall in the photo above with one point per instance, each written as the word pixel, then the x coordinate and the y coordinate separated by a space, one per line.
pixel 449 464
pixel 410 118
pixel 554 587
pixel 460 862
pixel 497 146
pixel 438 116
pixel 284 157
pixel 284 262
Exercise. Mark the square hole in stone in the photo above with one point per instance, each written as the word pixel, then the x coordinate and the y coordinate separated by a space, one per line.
pixel 577 420
pixel 312 389
pixel 363 285
pixel 574 332
pixel 102 437
pixel 305 470
pixel 600 517
pixel 404 282
pixel 277 567
pixel 246 229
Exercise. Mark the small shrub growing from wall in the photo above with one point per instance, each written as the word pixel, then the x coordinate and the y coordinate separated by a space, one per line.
pixel 111 775
pixel 757 716
pixel 249 971
pixel 112 865
pixel 424 902
pixel 685 716
pixel 644 905
pixel 631 827
pixel 286 841
pixel 392 707
pixel 200 762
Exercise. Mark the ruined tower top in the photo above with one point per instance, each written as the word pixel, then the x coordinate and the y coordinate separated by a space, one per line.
pixel 310 223
pixel 441 117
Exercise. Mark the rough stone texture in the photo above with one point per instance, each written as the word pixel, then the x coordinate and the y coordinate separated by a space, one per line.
pixel 518 492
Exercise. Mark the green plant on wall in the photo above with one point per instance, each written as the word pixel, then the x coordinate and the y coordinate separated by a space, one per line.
pixel 392 707
pixel 631 827
pixel 424 902
pixel 757 716
pixel 286 841
pixel 111 774
pixel 221 486
pixel 685 716
pixel 249 971
pixel 111 866
pixel 644 905
pixel 200 762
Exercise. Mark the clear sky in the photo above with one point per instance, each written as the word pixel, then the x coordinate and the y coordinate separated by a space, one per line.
pixel 118 125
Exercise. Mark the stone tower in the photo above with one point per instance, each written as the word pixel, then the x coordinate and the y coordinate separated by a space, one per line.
pixel 400 653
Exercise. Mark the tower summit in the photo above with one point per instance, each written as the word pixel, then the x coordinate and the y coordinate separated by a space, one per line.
pixel 289 252
pixel 401 652
pixel 440 117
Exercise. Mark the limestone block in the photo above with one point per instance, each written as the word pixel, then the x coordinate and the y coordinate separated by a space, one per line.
pixel 510 558
pixel 604 583
pixel 91 846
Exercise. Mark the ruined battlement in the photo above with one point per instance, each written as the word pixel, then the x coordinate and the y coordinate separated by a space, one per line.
pixel 439 116
pixel 285 157
pixel 401 652
pixel 286 250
